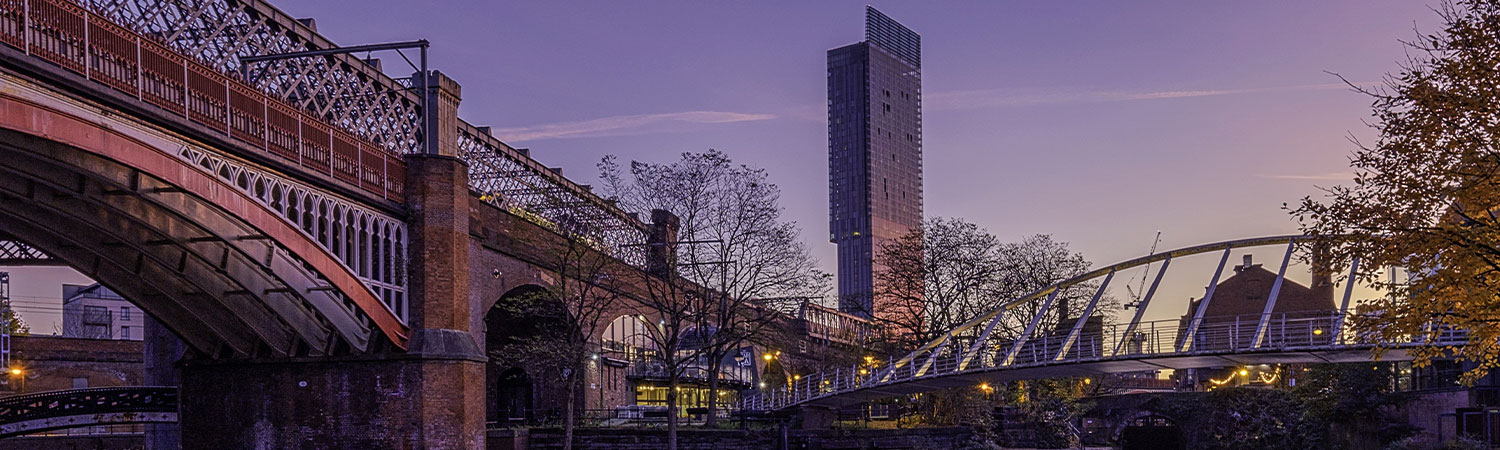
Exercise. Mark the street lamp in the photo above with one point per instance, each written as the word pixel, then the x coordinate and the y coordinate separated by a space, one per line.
pixel 19 375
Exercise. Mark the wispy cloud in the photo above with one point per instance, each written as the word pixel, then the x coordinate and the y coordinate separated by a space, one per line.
pixel 622 125
pixel 1000 98
pixel 1330 176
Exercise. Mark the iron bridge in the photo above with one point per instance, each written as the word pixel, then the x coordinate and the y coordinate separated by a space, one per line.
pixel 55 410
pixel 973 353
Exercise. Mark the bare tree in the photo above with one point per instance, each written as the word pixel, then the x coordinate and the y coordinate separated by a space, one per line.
pixel 950 271
pixel 935 278
pixel 1034 263
pixel 569 317
pixel 734 247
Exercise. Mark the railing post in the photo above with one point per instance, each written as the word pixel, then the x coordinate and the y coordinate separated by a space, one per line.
pixel 1260 329
pixel 88 68
pixel 1140 308
pixel 931 357
pixel 26 26
pixel 979 343
pixel 1030 327
pixel 1083 318
pixel 1187 341
pixel 140 74
pixel 1338 321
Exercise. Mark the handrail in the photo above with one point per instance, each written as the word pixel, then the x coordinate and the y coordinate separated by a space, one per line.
pixel 1197 334
pixel 72 402
pixel 112 54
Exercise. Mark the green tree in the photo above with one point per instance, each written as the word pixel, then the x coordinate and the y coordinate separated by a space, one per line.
pixel 13 320
pixel 1355 401
pixel 1425 194
pixel 1245 419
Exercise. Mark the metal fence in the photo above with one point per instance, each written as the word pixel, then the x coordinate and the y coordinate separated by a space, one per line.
pixel 90 45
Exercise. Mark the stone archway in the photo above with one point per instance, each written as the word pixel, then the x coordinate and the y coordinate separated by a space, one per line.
pixel 523 382
pixel 514 396
pixel 1147 430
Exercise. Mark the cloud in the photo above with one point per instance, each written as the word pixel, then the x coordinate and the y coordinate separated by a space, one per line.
pixel 1330 176
pixel 622 125
pixel 1001 98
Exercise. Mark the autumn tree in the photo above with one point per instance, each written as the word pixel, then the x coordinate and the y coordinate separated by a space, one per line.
pixel 1425 194
pixel 741 260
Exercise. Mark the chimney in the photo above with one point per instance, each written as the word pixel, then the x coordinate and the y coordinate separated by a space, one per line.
pixel 1247 264
pixel 1322 274
pixel 661 244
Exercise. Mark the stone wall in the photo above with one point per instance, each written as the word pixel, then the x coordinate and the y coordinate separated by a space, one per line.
pixel 117 442
pixel 1426 410
pixel 52 363
pixel 757 439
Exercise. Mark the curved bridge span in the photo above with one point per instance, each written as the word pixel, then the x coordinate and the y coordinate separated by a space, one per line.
pixel 1082 344
pixel 32 413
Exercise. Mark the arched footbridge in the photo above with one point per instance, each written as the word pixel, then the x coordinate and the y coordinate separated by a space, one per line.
pixel 56 410
pixel 1083 343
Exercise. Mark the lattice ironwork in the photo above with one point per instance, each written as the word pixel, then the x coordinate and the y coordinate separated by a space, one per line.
pixel 509 179
pixel 100 49
pixel 341 89
pixel 18 253
pixel 79 402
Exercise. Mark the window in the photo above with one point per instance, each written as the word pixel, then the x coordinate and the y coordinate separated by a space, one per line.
pixel 80 383
pixel 124 313
pixel 124 332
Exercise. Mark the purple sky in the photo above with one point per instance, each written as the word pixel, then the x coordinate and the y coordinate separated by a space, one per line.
pixel 1098 122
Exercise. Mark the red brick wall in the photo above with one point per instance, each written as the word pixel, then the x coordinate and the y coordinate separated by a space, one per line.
pixel 51 363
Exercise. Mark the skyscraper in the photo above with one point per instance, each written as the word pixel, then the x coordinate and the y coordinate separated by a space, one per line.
pixel 874 151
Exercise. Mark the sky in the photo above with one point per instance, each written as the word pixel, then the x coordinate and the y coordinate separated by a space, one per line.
pixel 1098 122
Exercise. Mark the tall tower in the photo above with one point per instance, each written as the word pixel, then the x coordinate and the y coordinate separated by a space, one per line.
pixel 874 151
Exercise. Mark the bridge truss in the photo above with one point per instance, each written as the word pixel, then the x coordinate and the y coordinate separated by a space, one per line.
pixel 354 95
pixel 975 352
pixel 17 253
pixel 332 114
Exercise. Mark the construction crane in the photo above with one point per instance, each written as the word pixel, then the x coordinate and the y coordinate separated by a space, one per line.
pixel 1140 289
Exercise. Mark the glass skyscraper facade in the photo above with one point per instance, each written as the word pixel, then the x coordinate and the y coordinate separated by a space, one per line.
pixel 874 151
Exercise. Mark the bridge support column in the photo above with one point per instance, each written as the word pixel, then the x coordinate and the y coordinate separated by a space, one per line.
pixel 430 396
pixel 163 351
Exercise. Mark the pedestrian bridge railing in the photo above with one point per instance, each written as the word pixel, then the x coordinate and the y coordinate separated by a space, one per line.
pixel 43 411
pixel 1084 343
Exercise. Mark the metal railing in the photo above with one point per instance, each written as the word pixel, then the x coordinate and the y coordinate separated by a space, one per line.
pixel 695 373
pixel 1217 335
pixel 974 347
pixel 81 402
pixel 91 45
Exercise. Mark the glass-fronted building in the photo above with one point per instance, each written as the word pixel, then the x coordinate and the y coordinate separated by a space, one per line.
pixel 874 151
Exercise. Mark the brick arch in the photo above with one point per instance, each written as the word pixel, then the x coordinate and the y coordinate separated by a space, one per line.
pixel 1119 428
pixel 129 176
